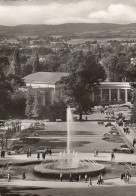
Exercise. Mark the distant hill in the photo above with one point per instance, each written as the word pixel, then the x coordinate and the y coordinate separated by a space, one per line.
pixel 63 28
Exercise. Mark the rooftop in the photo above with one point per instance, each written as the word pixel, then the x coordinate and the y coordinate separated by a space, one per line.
pixel 44 77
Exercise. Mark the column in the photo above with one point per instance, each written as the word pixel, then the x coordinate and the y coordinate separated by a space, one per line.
pixel 109 95
pixel 93 96
pixel 101 94
pixel 126 95
pixel 118 95
pixel 44 100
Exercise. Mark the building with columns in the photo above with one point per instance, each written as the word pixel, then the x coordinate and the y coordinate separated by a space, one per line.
pixel 50 91
pixel 46 85
pixel 113 92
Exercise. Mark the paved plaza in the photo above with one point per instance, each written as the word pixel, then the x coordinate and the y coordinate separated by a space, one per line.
pixel 87 136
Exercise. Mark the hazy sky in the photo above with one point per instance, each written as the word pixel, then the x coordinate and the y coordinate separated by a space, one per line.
pixel 14 12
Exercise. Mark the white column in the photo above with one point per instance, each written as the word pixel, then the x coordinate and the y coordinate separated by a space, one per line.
pixel 52 95
pixel 101 94
pixel 126 95
pixel 109 95
pixel 118 95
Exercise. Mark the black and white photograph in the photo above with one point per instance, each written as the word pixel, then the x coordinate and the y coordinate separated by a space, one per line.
pixel 67 97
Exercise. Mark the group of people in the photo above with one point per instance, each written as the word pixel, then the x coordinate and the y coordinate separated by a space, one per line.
pixel 23 176
pixel 46 151
pixel 77 178
pixel 100 179
pixel 126 130
pixel 106 110
pixel 126 177
pixel 29 153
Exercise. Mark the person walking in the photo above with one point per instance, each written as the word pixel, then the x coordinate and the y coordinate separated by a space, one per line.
pixel 99 179
pixel 122 176
pixel 23 175
pixel 90 182
pixel 38 155
pixel 70 177
pixel 30 153
pixel 79 178
pixel 27 153
pixel 9 177
pixel 112 156
pixel 86 178
pixel 127 177
pixel 61 176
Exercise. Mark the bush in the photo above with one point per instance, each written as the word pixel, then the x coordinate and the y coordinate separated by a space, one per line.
pixel 30 140
pixel 115 150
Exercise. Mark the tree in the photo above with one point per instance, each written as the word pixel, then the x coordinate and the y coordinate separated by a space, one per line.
pixel 85 75
pixel 51 63
pixel 5 95
pixel 16 64
pixel 29 103
pixel 131 75
pixel 36 63
pixel 133 114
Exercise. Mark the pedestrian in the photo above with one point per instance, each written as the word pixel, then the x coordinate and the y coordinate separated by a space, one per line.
pixel 96 152
pixel 43 155
pixel 90 181
pixel 61 176
pixel 23 175
pixel 70 177
pixel 30 152
pixel 86 118
pixel 79 178
pixel 127 177
pixel 27 153
pixel 122 176
pixel 134 141
pixel 99 180
pixel 85 178
pixel 50 152
pixel 112 156
pixel 38 155
pixel 9 177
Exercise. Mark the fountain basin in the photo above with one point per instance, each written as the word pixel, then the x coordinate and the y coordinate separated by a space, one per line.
pixel 53 168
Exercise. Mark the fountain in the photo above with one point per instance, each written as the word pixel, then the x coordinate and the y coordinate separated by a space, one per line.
pixel 69 161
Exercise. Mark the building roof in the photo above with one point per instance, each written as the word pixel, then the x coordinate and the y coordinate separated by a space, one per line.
pixel 44 77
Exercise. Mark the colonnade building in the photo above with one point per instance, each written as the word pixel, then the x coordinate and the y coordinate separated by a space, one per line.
pixel 50 91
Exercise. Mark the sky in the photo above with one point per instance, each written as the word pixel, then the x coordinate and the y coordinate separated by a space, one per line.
pixel 18 12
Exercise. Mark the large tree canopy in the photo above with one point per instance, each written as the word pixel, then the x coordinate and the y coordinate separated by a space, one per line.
pixel 85 75
pixel 5 89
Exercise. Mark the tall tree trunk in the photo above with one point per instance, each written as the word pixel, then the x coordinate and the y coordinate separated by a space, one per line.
pixel 80 113
pixel 80 116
